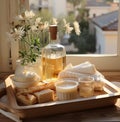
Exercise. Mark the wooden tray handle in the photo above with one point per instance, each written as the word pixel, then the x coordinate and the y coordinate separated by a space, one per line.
pixel 6 107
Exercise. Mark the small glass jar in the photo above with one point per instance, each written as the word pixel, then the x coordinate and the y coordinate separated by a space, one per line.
pixel 86 86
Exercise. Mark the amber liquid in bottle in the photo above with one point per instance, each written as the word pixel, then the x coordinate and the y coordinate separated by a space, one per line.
pixel 52 67
pixel 53 56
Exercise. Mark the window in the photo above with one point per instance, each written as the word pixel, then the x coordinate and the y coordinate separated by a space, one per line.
pixel 100 30
pixel 102 62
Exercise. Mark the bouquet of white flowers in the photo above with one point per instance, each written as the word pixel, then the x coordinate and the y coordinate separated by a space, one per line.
pixel 33 34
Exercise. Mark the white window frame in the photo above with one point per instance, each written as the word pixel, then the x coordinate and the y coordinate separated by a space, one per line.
pixel 102 62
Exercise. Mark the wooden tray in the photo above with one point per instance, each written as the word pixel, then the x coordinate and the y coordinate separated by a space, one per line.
pixel 109 97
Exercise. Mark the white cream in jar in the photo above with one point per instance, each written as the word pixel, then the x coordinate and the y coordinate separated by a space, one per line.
pixel 66 90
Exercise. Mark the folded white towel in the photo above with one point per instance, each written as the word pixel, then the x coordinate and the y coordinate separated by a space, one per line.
pixel 69 74
pixel 83 69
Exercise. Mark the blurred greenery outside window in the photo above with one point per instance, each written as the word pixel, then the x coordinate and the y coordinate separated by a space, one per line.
pixel 83 44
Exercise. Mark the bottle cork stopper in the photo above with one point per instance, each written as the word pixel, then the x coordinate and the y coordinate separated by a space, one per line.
pixel 53 32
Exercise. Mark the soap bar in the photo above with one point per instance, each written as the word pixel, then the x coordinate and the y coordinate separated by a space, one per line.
pixel 27 99
pixel 45 95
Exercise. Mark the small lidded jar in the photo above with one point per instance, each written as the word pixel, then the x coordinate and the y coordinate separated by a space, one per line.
pixel 66 90
pixel 86 86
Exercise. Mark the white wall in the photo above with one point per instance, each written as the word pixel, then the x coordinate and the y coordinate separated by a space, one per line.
pixel 111 39
pixel 107 40
pixel 58 8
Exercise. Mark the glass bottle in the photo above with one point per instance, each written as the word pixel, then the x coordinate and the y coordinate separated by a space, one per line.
pixel 53 56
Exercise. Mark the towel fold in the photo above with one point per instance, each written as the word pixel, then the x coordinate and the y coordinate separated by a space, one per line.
pixel 83 69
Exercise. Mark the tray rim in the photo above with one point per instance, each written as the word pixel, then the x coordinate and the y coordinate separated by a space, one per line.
pixel 8 84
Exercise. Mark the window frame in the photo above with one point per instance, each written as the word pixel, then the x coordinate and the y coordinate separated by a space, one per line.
pixel 102 62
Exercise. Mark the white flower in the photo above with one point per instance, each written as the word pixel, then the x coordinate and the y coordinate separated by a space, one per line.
pixel 37 21
pixel 68 29
pixel 46 25
pixel 19 17
pixel 54 21
pixel 43 26
pixel 29 14
pixel 26 15
pixel 33 28
pixel 77 29
pixel 18 33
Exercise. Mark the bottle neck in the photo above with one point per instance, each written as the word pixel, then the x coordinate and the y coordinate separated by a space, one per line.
pixel 54 40
pixel 53 34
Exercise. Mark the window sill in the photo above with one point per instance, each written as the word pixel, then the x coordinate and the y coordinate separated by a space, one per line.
pixel 102 62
